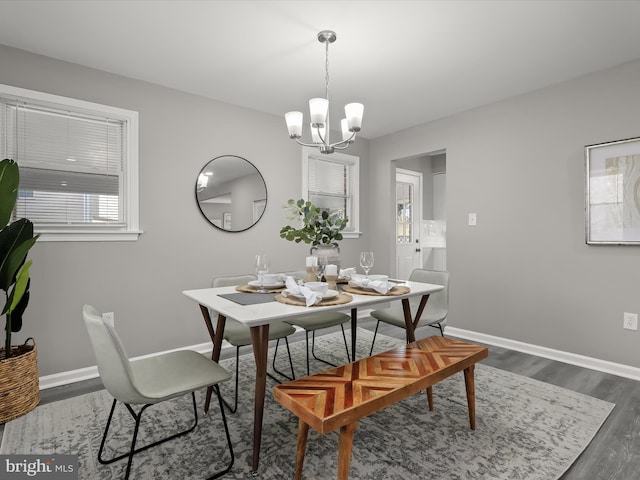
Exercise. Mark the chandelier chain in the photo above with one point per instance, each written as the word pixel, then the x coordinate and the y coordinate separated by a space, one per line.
pixel 326 78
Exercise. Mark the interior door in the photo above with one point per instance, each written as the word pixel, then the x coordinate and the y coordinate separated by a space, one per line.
pixel 408 214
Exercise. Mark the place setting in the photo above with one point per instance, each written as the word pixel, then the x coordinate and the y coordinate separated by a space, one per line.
pixel 372 284
pixel 266 282
pixel 314 293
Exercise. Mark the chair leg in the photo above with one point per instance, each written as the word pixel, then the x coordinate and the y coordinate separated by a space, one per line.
pixel 216 388
pixel 133 450
pixel 273 363
pixel 374 337
pixel 313 344
pixel 235 395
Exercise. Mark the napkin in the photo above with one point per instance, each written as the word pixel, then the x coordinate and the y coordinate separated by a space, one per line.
pixel 293 288
pixel 380 286
pixel 346 272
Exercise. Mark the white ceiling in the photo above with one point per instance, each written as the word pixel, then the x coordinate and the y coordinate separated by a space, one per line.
pixel 408 61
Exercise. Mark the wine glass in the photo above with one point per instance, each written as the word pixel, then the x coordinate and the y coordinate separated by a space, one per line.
pixel 319 264
pixel 366 262
pixel 262 267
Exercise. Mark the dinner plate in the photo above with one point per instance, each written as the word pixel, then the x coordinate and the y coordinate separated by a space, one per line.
pixel 330 294
pixel 256 283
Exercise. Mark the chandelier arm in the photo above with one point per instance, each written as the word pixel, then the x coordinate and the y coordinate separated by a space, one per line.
pixel 353 135
pixel 306 144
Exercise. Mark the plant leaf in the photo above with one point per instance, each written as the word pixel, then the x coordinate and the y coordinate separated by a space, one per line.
pixel 15 242
pixel 9 181
pixel 19 289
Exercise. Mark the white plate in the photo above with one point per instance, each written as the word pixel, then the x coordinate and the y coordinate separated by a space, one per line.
pixel 256 283
pixel 330 294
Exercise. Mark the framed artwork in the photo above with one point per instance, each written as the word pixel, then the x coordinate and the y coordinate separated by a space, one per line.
pixel 613 193
pixel 226 220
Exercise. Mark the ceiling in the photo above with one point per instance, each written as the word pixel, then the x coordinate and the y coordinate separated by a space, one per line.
pixel 409 62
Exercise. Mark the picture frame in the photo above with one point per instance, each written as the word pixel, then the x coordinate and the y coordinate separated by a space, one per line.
pixel 612 203
pixel 226 220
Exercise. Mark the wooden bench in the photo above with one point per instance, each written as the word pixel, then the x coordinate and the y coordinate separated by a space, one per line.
pixel 339 397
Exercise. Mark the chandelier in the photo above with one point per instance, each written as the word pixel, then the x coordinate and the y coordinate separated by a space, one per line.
pixel 319 110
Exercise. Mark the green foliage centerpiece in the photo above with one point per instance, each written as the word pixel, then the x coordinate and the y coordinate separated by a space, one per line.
pixel 319 226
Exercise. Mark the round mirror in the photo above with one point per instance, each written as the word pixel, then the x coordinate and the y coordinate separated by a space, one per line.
pixel 231 193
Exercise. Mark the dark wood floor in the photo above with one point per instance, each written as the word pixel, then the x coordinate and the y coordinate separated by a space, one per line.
pixel 614 454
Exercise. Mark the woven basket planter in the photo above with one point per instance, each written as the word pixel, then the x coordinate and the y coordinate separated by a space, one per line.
pixel 19 386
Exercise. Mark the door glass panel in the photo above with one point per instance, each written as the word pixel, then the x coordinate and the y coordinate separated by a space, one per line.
pixel 404 213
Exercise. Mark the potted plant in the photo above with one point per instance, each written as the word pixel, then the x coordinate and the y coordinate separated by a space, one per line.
pixel 19 388
pixel 321 228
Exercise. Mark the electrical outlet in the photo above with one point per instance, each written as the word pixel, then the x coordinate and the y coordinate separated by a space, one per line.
pixel 630 321
pixel 109 318
pixel 473 219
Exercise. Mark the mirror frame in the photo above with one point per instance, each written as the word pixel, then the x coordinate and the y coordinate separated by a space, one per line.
pixel 207 167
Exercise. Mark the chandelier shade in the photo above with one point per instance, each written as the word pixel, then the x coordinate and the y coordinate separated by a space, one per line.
pixel 319 114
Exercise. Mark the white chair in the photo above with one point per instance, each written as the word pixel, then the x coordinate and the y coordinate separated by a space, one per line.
pixel 239 335
pixel 434 314
pixel 319 321
pixel 150 381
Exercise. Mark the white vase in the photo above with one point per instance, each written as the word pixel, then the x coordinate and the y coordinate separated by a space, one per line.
pixel 332 252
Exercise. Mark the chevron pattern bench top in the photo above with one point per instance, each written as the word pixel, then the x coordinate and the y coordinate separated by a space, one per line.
pixel 339 397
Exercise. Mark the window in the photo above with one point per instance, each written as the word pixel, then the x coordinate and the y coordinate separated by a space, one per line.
pixel 78 165
pixel 332 182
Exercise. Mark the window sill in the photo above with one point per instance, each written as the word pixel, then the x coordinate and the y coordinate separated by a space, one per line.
pixel 87 236
pixel 351 234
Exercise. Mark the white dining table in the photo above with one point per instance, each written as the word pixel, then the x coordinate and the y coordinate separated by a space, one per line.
pixel 258 317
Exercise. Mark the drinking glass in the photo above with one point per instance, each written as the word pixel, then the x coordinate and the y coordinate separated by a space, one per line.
pixel 262 267
pixel 366 262
pixel 319 264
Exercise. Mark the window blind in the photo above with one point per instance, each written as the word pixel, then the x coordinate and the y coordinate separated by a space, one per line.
pixel 71 163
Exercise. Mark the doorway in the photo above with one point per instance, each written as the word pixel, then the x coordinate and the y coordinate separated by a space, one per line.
pixel 428 235
pixel 408 215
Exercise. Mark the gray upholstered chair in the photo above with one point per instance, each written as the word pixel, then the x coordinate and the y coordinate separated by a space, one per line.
pixel 239 335
pixel 319 321
pixel 149 381
pixel 435 313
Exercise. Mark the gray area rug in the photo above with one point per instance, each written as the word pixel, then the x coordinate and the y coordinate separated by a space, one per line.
pixel 526 429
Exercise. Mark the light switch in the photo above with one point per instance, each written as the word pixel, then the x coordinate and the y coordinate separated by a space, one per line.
pixel 473 219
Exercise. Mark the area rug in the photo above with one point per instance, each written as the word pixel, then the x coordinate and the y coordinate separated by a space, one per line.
pixel 526 429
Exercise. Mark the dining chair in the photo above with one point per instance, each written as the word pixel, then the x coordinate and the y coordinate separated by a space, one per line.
pixel 435 312
pixel 149 381
pixel 239 335
pixel 319 321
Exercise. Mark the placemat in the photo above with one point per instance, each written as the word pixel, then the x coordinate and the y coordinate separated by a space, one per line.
pixel 397 290
pixel 246 288
pixel 248 298
pixel 338 300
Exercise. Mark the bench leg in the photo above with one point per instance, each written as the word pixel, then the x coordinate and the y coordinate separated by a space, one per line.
pixel 344 452
pixel 303 431
pixel 471 395
pixel 430 398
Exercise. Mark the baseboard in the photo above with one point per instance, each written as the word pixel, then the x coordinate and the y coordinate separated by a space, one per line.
pixel 627 371
pixel 605 366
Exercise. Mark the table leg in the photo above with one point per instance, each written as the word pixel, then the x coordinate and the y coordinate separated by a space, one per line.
pixel 260 341
pixel 410 325
pixel 354 328
pixel 216 338
pixel 303 433
pixel 344 452
pixel 471 394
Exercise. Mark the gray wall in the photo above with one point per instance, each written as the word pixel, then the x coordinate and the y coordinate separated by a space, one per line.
pixel 142 281
pixel 524 272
